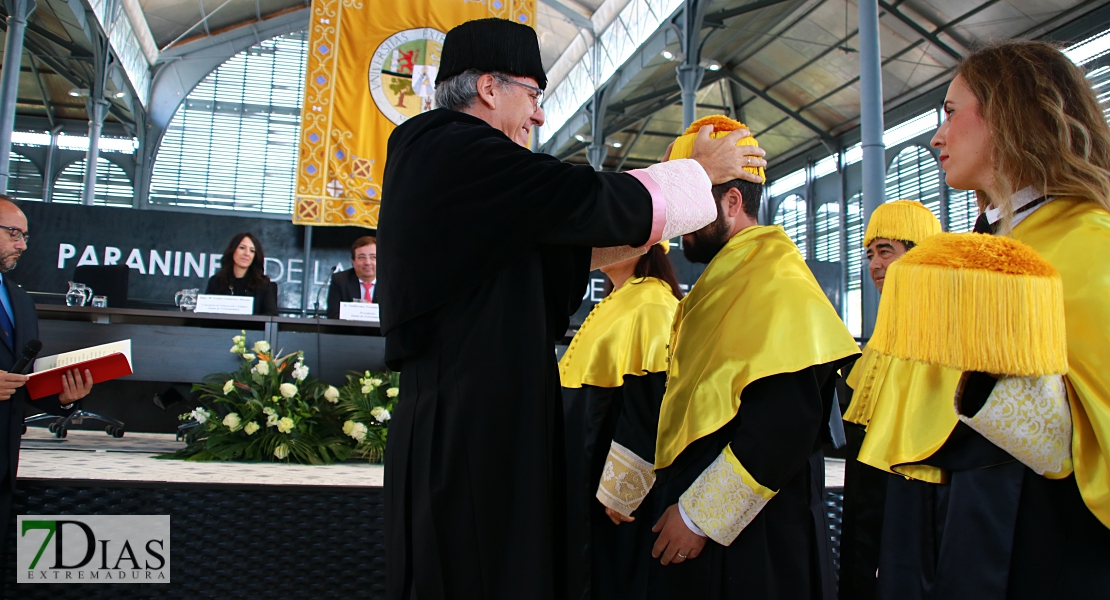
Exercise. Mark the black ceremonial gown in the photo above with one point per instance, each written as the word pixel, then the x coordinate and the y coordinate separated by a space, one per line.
pixel 784 552
pixel 614 375
pixel 484 251
pixel 608 561
pixel 862 518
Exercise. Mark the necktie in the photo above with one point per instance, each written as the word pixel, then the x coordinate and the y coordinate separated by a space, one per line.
pixel 6 325
pixel 367 290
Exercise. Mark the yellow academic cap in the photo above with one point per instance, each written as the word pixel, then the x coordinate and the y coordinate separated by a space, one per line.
pixel 974 302
pixel 722 125
pixel 905 220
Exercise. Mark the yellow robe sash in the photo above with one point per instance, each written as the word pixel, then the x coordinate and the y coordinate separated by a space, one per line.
pixel 625 334
pixel 1074 235
pixel 756 311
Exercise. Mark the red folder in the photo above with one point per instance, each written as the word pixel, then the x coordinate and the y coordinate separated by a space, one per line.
pixel 105 368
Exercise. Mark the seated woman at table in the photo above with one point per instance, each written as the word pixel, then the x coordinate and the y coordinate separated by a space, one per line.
pixel 242 274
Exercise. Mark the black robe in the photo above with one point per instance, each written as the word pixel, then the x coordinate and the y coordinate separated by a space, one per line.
pixel 606 560
pixel 784 552
pixel 995 530
pixel 861 522
pixel 485 251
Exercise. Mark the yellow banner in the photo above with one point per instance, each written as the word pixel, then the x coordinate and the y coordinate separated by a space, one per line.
pixel 371 65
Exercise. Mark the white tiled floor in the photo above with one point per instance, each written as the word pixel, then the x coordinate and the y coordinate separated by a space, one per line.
pixel 93 455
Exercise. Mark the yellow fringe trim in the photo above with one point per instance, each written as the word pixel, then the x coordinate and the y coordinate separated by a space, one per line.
pixel 722 125
pixel 974 303
pixel 905 220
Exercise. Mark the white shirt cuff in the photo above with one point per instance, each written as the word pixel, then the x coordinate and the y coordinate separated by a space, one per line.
pixel 689 523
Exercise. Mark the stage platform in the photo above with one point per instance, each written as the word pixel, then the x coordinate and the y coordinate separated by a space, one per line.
pixel 237 529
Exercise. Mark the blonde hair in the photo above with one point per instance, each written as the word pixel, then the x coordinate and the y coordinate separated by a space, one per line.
pixel 1046 126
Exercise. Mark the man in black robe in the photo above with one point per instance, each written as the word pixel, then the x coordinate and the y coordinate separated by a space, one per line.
pixel 486 250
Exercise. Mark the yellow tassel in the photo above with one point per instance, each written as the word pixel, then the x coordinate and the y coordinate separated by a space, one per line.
pixel 722 126
pixel 974 303
pixel 905 220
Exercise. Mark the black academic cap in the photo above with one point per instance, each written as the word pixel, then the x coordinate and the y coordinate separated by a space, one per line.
pixel 492 45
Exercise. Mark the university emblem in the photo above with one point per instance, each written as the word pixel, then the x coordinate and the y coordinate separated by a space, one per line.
pixel 402 73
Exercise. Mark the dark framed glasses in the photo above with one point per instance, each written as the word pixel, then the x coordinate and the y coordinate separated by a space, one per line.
pixel 16 234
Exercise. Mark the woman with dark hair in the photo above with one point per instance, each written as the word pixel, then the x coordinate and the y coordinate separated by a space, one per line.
pixel 242 273
pixel 1025 131
pixel 613 376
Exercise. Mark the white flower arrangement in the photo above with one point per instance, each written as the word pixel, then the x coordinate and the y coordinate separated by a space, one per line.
pixel 288 390
pixel 232 422
pixel 285 424
pixel 262 368
pixel 251 428
pixel 261 347
pixel 201 415
pixel 300 370
pixel 356 430
pixel 281 452
pixel 331 394
pixel 392 392
pixel 381 414
pixel 230 385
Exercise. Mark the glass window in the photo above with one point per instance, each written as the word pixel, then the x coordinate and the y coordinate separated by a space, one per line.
pixel 113 186
pixel 233 143
pixel 914 175
pixel 791 214
pixel 24 179
pixel 962 210
pixel 827 229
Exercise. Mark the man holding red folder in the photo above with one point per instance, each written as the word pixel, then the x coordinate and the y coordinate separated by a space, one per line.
pixel 19 324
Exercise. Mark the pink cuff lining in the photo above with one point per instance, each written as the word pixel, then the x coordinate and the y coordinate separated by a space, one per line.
pixel 658 206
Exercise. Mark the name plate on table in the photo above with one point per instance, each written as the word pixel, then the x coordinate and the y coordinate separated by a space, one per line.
pixel 358 311
pixel 225 305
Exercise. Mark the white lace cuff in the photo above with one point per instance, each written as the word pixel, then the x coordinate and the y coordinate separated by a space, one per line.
pixel 626 480
pixel 724 499
pixel 690 524
pixel 1030 419
pixel 681 197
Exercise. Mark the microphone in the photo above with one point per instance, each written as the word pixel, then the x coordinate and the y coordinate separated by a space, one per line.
pixel 30 351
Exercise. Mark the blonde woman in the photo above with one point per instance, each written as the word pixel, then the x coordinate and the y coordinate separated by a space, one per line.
pixel 1024 130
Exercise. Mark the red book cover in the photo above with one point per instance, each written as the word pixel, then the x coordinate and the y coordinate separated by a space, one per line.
pixel 104 368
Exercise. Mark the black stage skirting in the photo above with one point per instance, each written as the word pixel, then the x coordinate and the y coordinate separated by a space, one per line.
pixel 240 542
pixel 247 542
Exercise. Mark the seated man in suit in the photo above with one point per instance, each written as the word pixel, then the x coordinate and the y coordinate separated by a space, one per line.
pixel 19 324
pixel 358 282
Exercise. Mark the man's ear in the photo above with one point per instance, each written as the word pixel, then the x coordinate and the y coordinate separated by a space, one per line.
pixel 487 92
pixel 734 202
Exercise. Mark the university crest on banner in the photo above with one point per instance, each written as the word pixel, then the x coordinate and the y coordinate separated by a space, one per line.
pixel 371 65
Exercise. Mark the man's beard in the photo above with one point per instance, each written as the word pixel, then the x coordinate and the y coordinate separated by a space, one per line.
pixel 708 240
pixel 7 261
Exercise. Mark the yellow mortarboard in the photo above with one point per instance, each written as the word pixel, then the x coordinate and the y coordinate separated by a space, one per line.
pixel 905 220
pixel 974 302
pixel 722 126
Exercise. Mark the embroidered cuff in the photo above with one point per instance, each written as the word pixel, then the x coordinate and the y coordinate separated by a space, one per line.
pixel 626 480
pixel 689 522
pixel 1029 418
pixel 603 257
pixel 724 498
pixel 681 196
